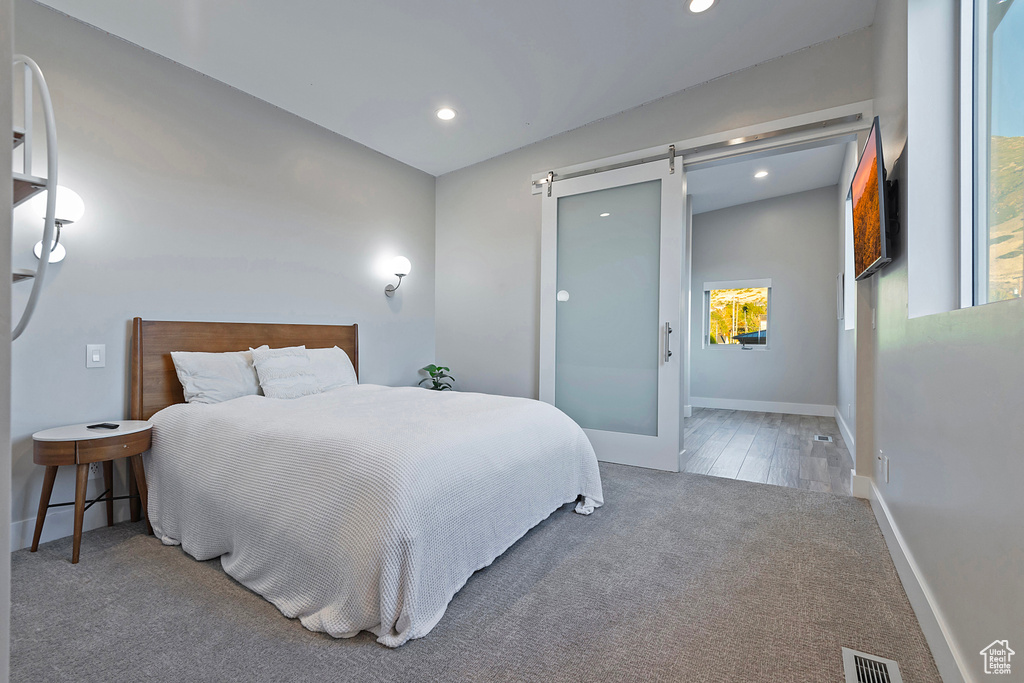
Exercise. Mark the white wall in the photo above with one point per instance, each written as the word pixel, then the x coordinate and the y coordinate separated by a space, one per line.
pixel 933 106
pixel 890 74
pixel 948 393
pixel 6 38
pixel 488 223
pixel 889 33
pixel 202 203
pixel 790 239
pixel 846 375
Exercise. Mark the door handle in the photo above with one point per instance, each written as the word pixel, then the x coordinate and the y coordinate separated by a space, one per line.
pixel 668 333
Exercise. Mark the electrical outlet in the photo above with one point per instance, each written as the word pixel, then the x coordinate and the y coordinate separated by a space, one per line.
pixel 883 465
pixel 95 469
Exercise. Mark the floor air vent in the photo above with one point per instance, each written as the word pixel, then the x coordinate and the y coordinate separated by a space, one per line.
pixel 861 667
pixel 822 437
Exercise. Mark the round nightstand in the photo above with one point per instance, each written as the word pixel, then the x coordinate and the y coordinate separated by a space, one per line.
pixel 78 445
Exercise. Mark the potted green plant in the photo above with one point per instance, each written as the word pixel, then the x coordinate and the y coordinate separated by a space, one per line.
pixel 439 378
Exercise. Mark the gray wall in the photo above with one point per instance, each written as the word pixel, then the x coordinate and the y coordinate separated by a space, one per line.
pixel 488 223
pixel 791 240
pixel 202 203
pixel 6 38
pixel 948 394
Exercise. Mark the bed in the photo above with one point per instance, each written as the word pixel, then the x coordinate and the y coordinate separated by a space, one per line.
pixel 364 508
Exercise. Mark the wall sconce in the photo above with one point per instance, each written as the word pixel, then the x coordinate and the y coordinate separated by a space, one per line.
pixel 70 208
pixel 401 266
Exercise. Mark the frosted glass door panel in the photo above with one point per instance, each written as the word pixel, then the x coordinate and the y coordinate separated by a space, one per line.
pixel 606 319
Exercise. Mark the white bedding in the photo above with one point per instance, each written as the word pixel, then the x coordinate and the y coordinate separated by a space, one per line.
pixel 366 507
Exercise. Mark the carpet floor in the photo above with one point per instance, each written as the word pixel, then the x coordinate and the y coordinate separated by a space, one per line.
pixel 679 577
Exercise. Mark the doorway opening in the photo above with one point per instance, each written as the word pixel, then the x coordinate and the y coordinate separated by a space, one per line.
pixel 765 277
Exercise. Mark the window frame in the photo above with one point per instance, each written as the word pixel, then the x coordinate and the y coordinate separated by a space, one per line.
pixel 974 155
pixel 761 283
pixel 967 199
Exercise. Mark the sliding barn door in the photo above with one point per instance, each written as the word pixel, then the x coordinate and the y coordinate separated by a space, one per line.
pixel 610 328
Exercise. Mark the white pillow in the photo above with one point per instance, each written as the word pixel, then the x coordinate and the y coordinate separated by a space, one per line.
pixel 215 377
pixel 332 367
pixel 284 373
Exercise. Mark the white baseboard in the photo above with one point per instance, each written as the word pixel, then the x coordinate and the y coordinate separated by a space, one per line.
pixel 861 486
pixel 847 433
pixel 60 522
pixel 950 662
pixel 687 411
pixel 764 406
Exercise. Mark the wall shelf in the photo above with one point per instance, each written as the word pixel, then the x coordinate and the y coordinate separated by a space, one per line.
pixel 26 187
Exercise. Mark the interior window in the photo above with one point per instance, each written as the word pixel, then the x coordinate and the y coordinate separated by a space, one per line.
pixel 737 316
pixel 999 150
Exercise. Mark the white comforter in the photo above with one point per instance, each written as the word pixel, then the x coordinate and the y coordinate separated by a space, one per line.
pixel 367 507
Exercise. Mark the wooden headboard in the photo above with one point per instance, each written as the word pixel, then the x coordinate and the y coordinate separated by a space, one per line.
pixel 155 385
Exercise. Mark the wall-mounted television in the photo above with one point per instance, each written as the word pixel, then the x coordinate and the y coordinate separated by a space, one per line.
pixel 870 221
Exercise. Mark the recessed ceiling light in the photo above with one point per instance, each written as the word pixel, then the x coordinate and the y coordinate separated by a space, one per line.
pixel 698 6
pixel 446 113
pixel 761 174
pixel 605 214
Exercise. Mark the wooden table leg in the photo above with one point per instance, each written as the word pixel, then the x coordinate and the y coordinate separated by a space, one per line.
pixel 108 484
pixel 140 481
pixel 133 490
pixel 44 502
pixel 80 482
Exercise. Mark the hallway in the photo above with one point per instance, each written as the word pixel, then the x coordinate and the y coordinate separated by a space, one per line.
pixel 769 448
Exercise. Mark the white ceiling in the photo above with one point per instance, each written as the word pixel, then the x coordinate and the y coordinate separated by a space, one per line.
pixel 516 72
pixel 731 184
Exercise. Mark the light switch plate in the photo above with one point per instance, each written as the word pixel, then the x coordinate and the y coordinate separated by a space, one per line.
pixel 96 355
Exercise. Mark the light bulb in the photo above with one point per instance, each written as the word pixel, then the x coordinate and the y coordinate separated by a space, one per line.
pixel 401 266
pixel 70 206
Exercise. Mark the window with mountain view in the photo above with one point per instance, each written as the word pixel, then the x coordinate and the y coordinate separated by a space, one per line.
pixel 737 316
pixel 999 150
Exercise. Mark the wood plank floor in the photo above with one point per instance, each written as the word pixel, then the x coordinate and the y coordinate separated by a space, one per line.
pixel 769 448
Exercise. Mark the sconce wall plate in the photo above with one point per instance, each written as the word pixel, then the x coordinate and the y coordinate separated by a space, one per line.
pixel 390 289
